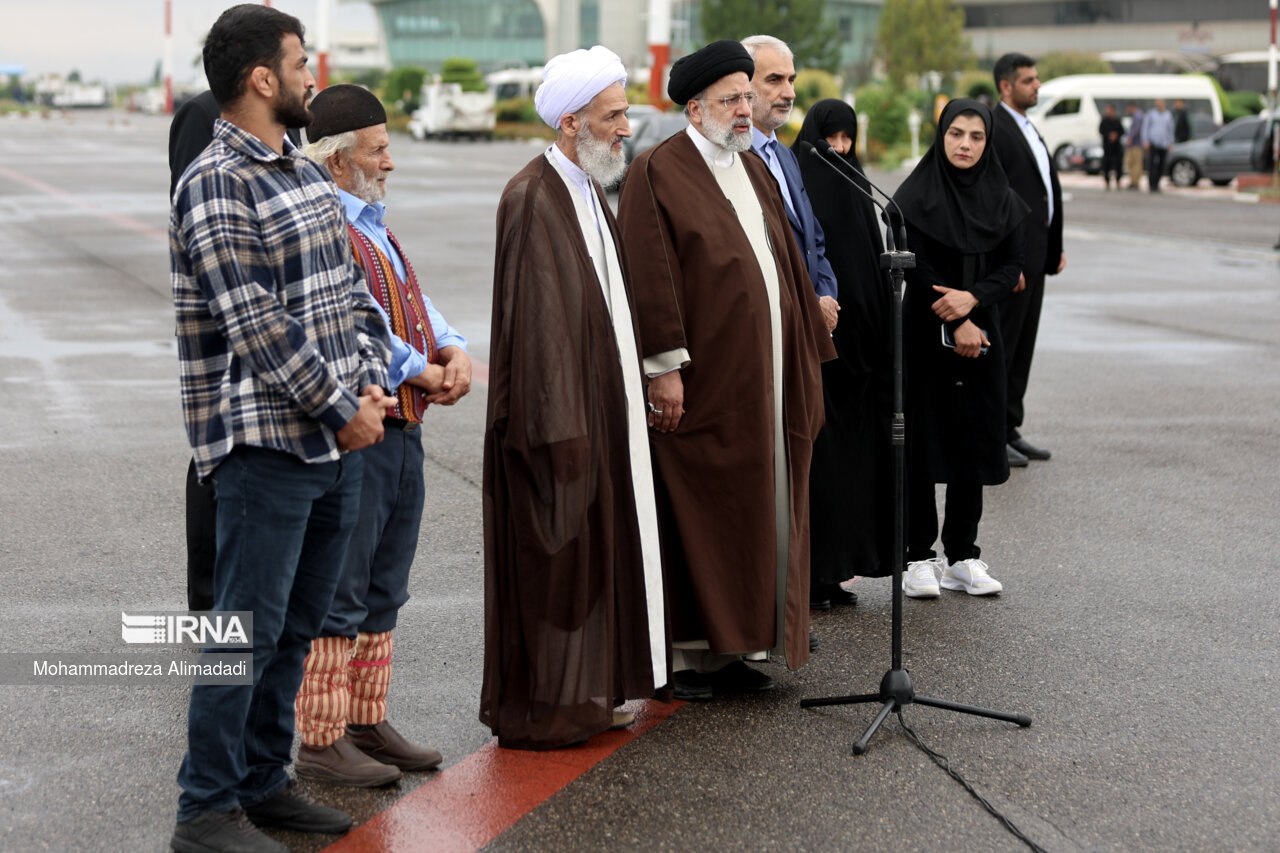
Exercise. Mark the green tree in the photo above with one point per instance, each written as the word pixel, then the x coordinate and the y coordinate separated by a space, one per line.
pixel 813 85
pixel 464 72
pixel 371 79
pixel 916 36
pixel 404 86
pixel 812 37
pixel 976 84
pixel 1060 63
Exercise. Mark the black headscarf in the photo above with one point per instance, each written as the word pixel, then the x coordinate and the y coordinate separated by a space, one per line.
pixel 970 210
pixel 854 238
pixel 827 118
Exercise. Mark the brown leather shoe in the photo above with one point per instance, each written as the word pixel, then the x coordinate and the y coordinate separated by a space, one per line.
pixel 388 746
pixel 343 764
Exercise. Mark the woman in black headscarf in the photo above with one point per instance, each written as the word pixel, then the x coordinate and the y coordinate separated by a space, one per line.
pixel 850 481
pixel 965 226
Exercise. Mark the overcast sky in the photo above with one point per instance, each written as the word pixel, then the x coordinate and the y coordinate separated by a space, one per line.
pixel 120 41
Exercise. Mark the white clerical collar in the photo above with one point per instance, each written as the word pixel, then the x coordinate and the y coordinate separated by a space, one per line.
pixel 714 154
pixel 573 171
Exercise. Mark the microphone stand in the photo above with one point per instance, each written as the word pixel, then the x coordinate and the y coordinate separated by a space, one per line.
pixel 896 689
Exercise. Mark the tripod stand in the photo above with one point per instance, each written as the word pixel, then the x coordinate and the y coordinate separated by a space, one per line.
pixel 896 689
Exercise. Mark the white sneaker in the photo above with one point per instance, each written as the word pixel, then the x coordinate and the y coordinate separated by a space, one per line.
pixel 920 580
pixel 970 576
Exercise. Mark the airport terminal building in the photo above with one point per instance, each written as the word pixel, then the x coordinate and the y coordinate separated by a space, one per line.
pixel 1190 28
pixel 512 33
pixel 1157 35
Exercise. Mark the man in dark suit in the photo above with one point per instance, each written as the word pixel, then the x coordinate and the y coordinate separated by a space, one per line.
pixel 773 85
pixel 775 95
pixel 1029 165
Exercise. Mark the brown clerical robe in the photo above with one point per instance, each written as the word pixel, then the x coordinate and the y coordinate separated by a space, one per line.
pixel 566 632
pixel 698 286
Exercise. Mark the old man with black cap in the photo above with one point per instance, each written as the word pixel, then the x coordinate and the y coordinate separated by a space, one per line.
pixel 732 340
pixel 574 620
pixel 342 705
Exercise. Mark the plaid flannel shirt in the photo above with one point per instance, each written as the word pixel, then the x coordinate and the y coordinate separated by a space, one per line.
pixel 277 332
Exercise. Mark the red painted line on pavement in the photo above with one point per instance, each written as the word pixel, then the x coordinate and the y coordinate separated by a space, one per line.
pixel 471 803
pixel 480 372
pixel 126 222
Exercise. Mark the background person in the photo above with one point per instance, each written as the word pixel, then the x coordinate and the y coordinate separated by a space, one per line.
pixel 282 360
pixel 342 704
pixel 964 222
pixel 773 84
pixel 190 133
pixel 1181 121
pixel 1157 139
pixel 851 479
pixel 1134 150
pixel 1026 162
pixel 1111 129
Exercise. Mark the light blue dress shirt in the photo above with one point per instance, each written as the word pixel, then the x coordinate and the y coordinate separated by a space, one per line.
pixel 1157 128
pixel 405 360
pixel 765 146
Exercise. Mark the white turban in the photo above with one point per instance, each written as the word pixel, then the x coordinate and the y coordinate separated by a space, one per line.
pixel 571 80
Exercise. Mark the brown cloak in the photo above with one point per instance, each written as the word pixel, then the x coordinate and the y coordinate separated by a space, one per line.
pixel 697 285
pixel 566 631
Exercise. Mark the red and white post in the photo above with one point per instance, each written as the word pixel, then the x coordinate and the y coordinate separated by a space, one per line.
pixel 660 48
pixel 322 45
pixel 168 57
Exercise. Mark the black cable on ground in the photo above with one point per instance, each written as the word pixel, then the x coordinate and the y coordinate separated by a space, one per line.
pixel 945 763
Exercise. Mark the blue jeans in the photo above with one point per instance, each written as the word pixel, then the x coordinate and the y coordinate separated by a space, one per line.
pixel 375 579
pixel 283 529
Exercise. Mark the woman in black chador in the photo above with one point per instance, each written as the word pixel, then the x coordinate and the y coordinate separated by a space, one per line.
pixel 965 226
pixel 850 485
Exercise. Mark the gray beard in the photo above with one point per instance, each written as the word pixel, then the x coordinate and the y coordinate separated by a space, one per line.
pixel 723 134
pixel 367 189
pixel 597 159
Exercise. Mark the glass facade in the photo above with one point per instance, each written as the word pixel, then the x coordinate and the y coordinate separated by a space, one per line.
pixel 589 23
pixel 857 21
pixel 494 33
pixel 1075 12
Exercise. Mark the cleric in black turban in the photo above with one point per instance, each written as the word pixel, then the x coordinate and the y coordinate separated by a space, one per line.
pixel 693 73
pixel 341 108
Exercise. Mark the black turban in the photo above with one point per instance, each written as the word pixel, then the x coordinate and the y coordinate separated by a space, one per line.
pixel 341 108
pixel 695 72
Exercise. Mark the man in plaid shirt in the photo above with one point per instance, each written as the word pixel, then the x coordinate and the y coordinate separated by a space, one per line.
pixel 283 367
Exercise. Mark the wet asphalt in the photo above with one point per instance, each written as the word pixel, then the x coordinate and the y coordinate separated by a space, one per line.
pixel 1138 627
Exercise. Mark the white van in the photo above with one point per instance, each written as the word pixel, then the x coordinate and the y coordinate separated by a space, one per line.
pixel 1070 107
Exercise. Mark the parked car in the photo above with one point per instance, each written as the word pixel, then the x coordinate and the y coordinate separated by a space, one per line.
pixel 1080 158
pixel 1219 157
pixel 650 128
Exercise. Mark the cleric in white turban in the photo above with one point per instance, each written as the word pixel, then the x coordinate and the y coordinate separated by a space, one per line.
pixel 574 619
pixel 571 80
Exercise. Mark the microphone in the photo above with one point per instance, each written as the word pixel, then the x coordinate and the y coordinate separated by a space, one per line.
pixel 832 158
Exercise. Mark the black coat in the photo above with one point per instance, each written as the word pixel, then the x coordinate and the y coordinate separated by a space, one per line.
pixel 955 406
pixel 1043 245
pixel 851 481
